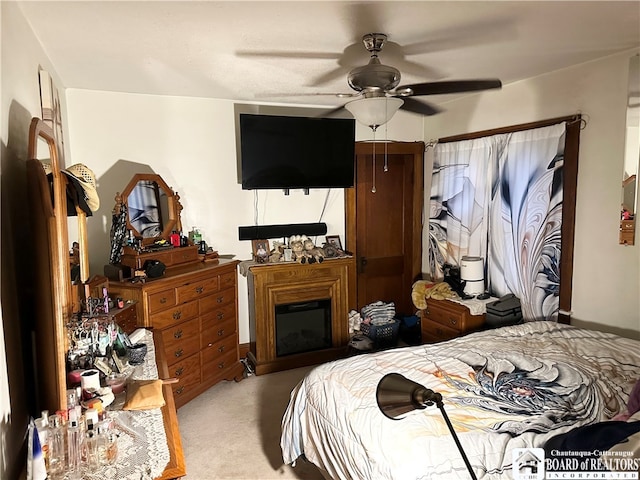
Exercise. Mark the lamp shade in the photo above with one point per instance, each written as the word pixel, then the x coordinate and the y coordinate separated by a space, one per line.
pixel 374 111
pixel 397 395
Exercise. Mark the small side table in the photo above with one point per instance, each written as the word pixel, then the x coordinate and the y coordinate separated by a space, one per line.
pixel 443 320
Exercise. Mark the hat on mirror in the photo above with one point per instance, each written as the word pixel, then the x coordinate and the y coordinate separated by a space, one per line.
pixel 84 178
pixel 81 189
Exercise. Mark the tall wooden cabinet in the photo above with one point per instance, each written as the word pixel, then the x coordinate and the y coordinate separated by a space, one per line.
pixel 194 308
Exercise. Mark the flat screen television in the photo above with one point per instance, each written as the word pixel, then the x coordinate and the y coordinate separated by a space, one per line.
pixel 282 152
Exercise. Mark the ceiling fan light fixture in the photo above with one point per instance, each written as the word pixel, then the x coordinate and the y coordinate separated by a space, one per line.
pixel 374 111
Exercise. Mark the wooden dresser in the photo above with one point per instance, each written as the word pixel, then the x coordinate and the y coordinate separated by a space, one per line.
pixel 627 232
pixel 194 307
pixel 443 320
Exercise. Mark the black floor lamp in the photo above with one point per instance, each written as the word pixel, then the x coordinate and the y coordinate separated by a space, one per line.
pixel 397 395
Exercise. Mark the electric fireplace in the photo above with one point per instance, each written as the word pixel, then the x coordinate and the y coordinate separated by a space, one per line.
pixel 299 313
pixel 303 327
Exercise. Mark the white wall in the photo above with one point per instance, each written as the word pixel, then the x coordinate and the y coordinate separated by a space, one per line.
pixel 190 142
pixel 606 278
pixel 22 55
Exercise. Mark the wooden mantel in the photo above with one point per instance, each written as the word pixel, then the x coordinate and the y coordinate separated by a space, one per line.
pixel 291 282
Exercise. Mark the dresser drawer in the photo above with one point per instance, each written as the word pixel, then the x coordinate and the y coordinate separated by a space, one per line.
pixel 192 291
pixel 181 340
pixel 161 300
pixel 213 332
pixel 218 315
pixel 219 349
pixel 436 332
pixel 179 336
pixel 174 315
pixel 184 255
pixel 182 393
pixel 187 371
pixel 450 319
pixel 217 300
pixel 217 365
pixel 126 318
pixel 228 280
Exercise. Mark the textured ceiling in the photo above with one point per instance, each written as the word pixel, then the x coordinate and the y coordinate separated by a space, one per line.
pixel 291 51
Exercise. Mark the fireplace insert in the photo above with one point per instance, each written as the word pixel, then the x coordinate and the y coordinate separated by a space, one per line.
pixel 303 327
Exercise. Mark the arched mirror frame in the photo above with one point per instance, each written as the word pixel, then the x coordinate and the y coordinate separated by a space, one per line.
pixel 631 156
pixel 173 204
pixel 52 277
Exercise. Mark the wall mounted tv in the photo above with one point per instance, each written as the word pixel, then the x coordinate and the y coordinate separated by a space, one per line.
pixel 283 152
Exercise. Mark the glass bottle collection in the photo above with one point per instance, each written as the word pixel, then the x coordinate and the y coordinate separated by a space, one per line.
pixel 76 443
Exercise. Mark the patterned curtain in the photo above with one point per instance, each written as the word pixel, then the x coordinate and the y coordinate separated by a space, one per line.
pixel 500 198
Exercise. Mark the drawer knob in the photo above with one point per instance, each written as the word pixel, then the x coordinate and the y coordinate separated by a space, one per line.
pixel 221 349
pixel 179 371
pixel 179 390
pixel 220 316
pixel 177 334
pixel 221 332
pixel 221 365
pixel 220 299
pixel 163 300
pixel 178 353
pixel 199 289
pixel 453 321
pixel 177 315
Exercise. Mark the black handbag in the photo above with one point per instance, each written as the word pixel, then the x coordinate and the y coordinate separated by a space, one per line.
pixel 154 268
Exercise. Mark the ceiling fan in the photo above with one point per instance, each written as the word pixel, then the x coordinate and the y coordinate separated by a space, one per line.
pixel 377 80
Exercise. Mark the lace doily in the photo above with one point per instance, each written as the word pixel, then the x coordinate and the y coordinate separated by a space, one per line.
pixel 143 452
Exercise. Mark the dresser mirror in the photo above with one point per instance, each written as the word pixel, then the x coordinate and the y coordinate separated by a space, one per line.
pixel 632 156
pixel 153 209
pixel 51 273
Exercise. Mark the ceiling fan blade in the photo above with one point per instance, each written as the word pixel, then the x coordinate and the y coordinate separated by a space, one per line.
pixel 451 86
pixel 334 112
pixel 288 54
pixel 329 76
pixel 414 106
pixel 312 94
pixel 467 34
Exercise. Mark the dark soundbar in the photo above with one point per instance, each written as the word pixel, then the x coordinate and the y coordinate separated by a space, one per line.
pixel 263 232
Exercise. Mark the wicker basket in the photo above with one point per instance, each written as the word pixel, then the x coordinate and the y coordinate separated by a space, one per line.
pixel 382 335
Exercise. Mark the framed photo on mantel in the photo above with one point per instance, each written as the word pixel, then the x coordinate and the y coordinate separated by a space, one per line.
pixel 260 250
pixel 335 241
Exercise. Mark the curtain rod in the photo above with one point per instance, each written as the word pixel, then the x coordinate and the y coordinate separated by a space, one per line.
pixel 570 119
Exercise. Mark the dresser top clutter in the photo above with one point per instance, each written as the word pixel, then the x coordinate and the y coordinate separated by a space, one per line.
pixel 158 279
pixel 180 287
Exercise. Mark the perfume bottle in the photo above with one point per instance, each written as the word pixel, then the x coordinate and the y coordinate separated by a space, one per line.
pixel 57 452
pixel 74 441
pixel 107 445
pixel 90 447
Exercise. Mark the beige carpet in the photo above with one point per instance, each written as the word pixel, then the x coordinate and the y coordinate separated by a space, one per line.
pixel 232 431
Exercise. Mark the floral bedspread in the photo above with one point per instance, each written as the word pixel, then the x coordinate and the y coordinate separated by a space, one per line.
pixel 503 389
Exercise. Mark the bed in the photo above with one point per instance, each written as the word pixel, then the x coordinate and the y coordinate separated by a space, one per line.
pixel 503 389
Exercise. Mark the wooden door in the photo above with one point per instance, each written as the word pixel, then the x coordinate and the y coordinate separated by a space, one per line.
pixel 383 228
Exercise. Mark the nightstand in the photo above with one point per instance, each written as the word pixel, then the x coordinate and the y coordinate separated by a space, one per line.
pixel 443 320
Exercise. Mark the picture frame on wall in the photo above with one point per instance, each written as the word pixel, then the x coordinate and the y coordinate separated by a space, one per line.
pixel 51 109
pixel 260 250
pixel 334 240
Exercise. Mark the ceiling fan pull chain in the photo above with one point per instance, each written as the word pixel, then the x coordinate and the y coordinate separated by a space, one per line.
pixel 373 169
pixel 386 140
